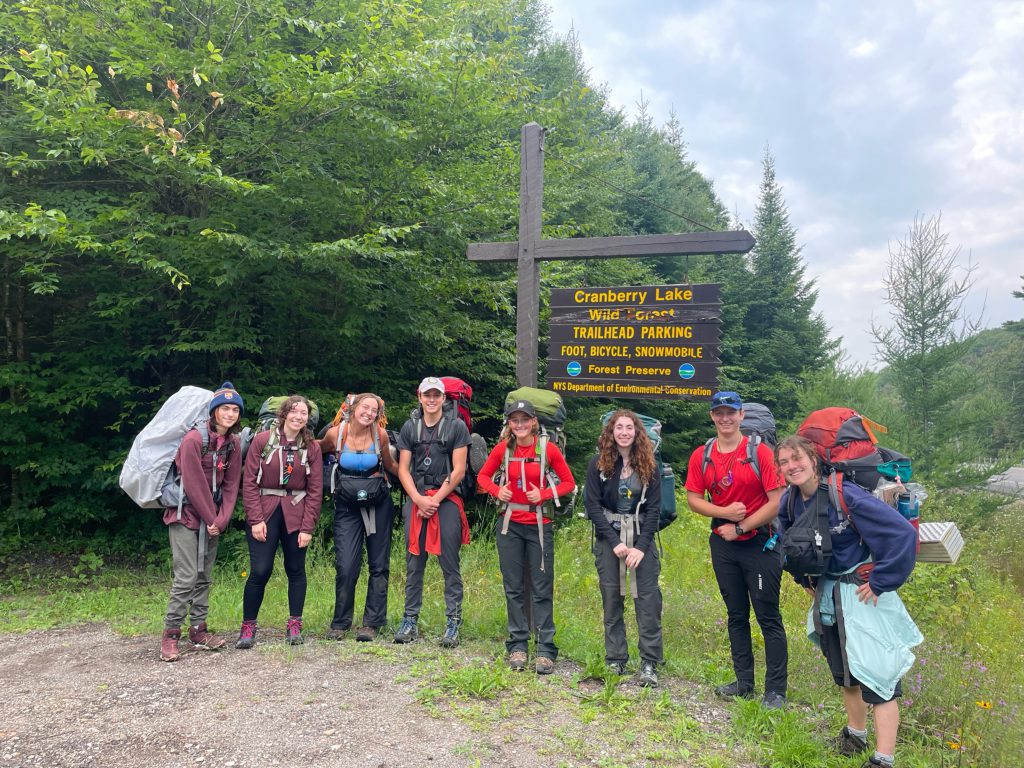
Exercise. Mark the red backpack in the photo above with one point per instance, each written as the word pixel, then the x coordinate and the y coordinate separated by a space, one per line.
pixel 461 394
pixel 840 435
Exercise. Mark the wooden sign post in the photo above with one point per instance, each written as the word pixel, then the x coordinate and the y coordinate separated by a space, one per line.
pixel 531 249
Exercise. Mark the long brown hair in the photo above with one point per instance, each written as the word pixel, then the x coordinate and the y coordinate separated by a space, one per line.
pixel 641 453
pixel 305 436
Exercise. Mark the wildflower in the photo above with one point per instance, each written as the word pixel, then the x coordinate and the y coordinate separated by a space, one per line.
pixel 244 574
pixel 984 704
pixel 953 744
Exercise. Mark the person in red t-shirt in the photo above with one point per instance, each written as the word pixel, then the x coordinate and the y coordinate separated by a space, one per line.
pixel 524 533
pixel 742 506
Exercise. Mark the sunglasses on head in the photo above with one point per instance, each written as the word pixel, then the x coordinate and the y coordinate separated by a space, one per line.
pixel 727 400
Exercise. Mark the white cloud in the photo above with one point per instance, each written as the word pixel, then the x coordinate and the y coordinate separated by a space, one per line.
pixel 864 49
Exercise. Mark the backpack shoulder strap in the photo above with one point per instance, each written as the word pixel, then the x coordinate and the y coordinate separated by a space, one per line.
pixel 707 455
pixel 753 441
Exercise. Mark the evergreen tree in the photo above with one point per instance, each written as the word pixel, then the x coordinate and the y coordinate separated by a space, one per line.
pixel 783 336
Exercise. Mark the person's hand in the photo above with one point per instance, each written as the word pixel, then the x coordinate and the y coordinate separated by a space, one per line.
pixel 727 532
pixel 633 558
pixel 427 505
pixel 620 551
pixel 505 494
pixel 866 595
pixel 533 495
pixel 735 512
pixel 304 539
pixel 213 531
pixel 259 531
pixel 809 591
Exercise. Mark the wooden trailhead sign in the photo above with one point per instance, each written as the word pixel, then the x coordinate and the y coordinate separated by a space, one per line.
pixel 657 341
pixel 530 249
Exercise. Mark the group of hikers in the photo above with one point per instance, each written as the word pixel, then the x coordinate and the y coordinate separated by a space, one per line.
pixel 857 618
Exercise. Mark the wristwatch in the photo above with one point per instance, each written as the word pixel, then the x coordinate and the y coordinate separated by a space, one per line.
pixel 739 530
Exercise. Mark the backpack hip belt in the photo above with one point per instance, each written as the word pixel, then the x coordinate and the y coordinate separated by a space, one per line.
pixel 629 529
pixel 297 496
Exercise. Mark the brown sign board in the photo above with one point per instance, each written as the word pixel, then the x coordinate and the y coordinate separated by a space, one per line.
pixel 654 341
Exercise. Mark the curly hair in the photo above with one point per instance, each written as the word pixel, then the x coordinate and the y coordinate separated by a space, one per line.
pixel 641 454
pixel 305 436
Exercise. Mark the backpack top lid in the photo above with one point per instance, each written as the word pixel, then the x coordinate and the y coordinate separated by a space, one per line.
pixel 840 434
pixel 759 421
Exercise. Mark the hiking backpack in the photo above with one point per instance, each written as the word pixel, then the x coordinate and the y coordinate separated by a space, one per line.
pixel 149 474
pixel 759 427
pixel 266 420
pixel 667 514
pixel 458 396
pixel 846 444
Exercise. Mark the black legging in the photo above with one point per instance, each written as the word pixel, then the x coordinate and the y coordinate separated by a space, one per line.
pixel 261 566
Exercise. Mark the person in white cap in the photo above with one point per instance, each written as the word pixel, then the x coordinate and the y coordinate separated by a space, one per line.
pixel 432 448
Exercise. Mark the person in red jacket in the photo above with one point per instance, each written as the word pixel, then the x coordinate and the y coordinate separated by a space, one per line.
pixel 524 533
pixel 282 489
pixel 209 462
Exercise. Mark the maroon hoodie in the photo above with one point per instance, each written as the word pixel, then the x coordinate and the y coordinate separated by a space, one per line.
pixel 297 517
pixel 196 473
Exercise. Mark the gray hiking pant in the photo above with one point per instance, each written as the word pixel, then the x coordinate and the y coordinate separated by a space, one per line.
pixel 450 520
pixel 647 604
pixel 519 552
pixel 190 588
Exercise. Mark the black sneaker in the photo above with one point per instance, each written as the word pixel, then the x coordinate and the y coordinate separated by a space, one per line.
pixel 406 631
pixel 872 763
pixel 773 700
pixel 648 675
pixel 617 667
pixel 450 638
pixel 734 689
pixel 851 743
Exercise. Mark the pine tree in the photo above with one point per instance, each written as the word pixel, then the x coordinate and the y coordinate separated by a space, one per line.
pixel 784 336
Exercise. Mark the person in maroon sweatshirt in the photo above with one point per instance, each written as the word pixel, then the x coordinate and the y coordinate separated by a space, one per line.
pixel 282 489
pixel 210 465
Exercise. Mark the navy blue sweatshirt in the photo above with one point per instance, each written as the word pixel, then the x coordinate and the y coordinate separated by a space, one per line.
pixel 878 531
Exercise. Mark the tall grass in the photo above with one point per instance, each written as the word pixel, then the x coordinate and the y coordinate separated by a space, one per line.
pixel 962 702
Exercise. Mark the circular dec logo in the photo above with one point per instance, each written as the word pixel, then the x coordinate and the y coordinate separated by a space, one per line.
pixel 687 371
pixel 574 368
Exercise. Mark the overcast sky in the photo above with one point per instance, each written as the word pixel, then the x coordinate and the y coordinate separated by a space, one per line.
pixel 875 111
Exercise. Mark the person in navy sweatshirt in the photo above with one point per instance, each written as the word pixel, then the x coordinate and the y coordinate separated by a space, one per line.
pixel 857 619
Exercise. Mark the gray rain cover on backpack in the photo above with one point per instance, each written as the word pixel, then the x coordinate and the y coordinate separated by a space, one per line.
pixel 152 453
pixel 758 420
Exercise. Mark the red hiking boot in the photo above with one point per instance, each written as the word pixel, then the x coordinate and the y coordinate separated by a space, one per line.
pixel 169 645
pixel 201 637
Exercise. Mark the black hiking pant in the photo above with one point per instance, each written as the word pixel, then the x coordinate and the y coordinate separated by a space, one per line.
pixel 349 537
pixel 647 604
pixel 749 577
pixel 261 566
pixel 450 520
pixel 519 553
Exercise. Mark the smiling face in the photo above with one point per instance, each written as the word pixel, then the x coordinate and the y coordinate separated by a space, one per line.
pixel 522 425
pixel 624 432
pixel 431 401
pixel 366 411
pixel 296 418
pixel 798 468
pixel 225 417
pixel 727 420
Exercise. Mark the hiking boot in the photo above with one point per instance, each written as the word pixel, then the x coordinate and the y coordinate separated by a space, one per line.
pixel 647 676
pixel 872 763
pixel 201 637
pixel 246 636
pixel 293 631
pixel 335 633
pixel 169 644
pixel 773 700
pixel 617 667
pixel 850 743
pixel 734 689
pixel 517 661
pixel 544 665
pixel 406 631
pixel 450 638
pixel 366 634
